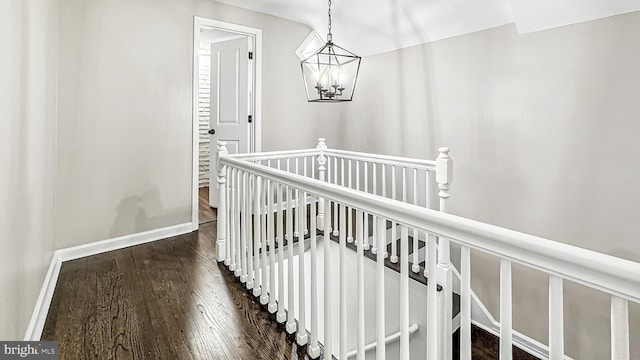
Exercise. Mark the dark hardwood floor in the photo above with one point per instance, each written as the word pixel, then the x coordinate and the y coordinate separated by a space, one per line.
pixel 170 299
pixel 163 300
pixel 205 212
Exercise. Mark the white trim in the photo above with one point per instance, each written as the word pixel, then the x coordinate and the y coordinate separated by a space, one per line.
pixel 256 35
pixel 98 247
pixel 41 309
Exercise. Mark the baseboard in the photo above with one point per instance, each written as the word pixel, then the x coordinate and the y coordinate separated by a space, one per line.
pixel 121 242
pixel 41 309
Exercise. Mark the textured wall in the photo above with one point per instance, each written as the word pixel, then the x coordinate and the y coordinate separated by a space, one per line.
pixel 543 129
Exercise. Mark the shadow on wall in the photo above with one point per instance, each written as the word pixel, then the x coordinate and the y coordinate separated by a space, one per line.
pixel 136 214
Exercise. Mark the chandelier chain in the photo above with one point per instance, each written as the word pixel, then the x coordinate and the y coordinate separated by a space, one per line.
pixel 329 17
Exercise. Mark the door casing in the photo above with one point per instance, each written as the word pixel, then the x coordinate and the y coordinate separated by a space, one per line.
pixel 255 143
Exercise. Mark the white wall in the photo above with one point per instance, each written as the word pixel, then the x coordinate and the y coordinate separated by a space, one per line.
pixel 543 130
pixel 28 37
pixel 125 109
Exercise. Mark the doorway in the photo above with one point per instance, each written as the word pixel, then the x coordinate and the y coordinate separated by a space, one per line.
pixel 227 74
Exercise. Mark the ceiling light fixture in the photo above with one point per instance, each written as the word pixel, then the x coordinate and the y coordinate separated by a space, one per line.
pixel 330 74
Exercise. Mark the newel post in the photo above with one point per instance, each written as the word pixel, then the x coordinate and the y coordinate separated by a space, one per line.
pixel 322 168
pixel 221 241
pixel 444 271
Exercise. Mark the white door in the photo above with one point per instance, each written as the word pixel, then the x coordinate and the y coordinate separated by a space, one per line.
pixel 230 89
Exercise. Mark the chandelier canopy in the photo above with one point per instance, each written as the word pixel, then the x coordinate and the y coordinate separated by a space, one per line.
pixel 330 74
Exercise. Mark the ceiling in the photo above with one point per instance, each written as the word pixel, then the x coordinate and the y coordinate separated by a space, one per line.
pixel 369 27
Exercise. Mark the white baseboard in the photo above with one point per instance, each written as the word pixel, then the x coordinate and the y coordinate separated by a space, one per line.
pixel 41 309
pixel 98 247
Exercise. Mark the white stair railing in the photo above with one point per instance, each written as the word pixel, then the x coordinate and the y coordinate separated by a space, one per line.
pixel 267 184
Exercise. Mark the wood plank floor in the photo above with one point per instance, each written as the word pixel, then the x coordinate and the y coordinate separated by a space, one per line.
pixel 171 300
pixel 164 300
pixel 205 212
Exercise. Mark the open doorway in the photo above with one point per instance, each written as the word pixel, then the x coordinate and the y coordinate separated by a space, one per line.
pixel 226 103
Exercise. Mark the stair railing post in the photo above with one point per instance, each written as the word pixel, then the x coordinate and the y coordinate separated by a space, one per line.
pixel 322 168
pixel 221 241
pixel 444 273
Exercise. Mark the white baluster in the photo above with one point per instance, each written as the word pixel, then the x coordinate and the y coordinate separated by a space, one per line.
pixel 327 283
pixel 365 226
pixel 273 305
pixel 281 316
pixel 264 296
pixel 357 162
pixel 357 177
pixel 394 234
pixel 429 193
pixel 301 338
pixel 382 237
pixel 227 215
pixel 465 303
pixel 415 267
pixel 221 238
pixel 404 289
pixel 243 226
pixel 349 213
pixel 314 349
pixel 248 231
pixel 556 318
pixel 296 193
pixel 374 244
pixel 232 228
pixel 432 300
pixel 304 200
pixel 343 283
pixel 322 168
pixel 506 352
pixel 237 229
pixel 257 211
pixel 444 168
pixel 619 328
pixel 380 321
pixel 291 321
pixel 336 231
pixel 360 284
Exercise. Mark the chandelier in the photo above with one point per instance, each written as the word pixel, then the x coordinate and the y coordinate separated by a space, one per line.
pixel 330 74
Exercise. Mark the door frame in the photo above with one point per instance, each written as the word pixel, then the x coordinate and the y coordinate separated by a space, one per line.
pixel 255 138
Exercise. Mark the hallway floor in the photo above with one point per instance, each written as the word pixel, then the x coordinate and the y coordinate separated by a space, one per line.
pixel 205 212
pixel 163 300
pixel 170 299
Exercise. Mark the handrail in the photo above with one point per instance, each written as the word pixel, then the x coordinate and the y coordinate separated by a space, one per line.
pixel 274 154
pixel 385 159
pixel 604 272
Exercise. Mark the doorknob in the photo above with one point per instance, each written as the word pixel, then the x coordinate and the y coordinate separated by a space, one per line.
pixel 212 131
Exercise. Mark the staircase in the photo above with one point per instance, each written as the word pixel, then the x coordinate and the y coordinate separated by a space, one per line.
pixel 373 224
